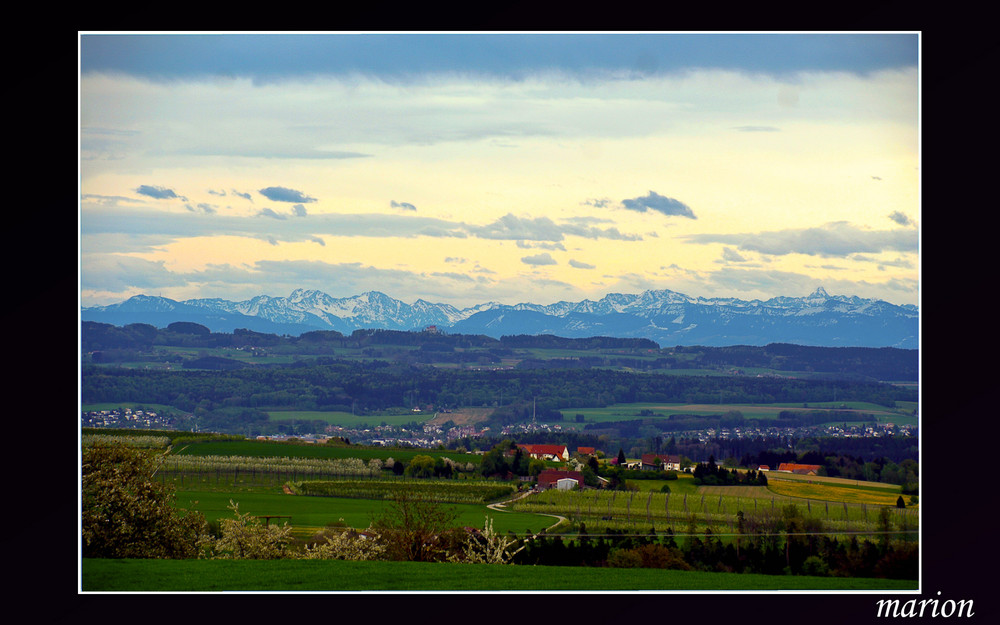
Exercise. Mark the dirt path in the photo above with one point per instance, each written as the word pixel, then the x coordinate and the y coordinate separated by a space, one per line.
pixel 500 507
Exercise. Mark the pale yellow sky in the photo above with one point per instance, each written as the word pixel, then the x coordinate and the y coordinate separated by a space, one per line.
pixel 469 188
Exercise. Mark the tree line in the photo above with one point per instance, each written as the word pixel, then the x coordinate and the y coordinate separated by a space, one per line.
pixel 785 544
pixel 111 342
pixel 377 385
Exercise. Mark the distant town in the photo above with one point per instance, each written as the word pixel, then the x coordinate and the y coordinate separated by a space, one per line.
pixel 433 437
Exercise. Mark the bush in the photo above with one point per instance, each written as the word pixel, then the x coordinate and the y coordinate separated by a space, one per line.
pixel 126 514
pixel 246 538
pixel 815 565
pixel 624 559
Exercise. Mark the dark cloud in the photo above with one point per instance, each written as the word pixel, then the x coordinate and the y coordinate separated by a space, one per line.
pixel 539 259
pixel 580 264
pixel 403 205
pixel 281 194
pixel 245 196
pixel 159 193
pixel 900 218
pixel 656 202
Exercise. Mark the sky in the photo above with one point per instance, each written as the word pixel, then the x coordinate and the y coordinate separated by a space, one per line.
pixel 508 167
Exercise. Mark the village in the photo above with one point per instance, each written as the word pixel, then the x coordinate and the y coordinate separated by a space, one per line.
pixel 428 436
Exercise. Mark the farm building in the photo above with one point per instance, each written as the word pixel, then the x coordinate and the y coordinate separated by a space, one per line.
pixel 556 478
pixel 558 453
pixel 801 469
pixel 586 451
pixel 656 462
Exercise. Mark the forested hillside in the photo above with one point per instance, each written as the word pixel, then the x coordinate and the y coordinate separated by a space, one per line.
pixel 108 343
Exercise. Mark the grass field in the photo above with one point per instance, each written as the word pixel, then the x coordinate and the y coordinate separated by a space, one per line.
pixel 310 514
pixel 348 576
pixel 621 412
pixel 264 449
pixel 346 419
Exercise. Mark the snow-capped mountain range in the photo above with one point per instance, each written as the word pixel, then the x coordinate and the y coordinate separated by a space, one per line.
pixel 666 317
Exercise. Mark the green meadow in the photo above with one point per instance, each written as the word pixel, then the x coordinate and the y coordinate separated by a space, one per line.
pixel 351 576
pixel 270 449
pixel 624 412
pixel 310 514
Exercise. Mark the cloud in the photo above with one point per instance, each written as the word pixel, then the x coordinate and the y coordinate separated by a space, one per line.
pixel 835 239
pixel 299 210
pixel 267 212
pixel 539 259
pixel 511 227
pixel 281 194
pixel 541 246
pixel 580 264
pixel 245 196
pixel 403 205
pixel 729 254
pixel 119 273
pixel 900 218
pixel 159 193
pixel 656 202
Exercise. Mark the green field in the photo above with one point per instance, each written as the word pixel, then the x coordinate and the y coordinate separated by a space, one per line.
pixel 264 449
pixel 624 412
pixel 348 576
pixel 310 514
pixel 346 419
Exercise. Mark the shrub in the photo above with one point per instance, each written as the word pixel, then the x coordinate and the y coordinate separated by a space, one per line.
pixel 246 538
pixel 126 514
pixel 624 559
pixel 815 565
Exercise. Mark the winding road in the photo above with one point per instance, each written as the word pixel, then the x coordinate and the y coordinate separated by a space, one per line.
pixel 500 507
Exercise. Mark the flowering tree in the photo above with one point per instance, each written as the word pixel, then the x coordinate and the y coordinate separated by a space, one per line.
pixel 126 513
pixel 488 547
pixel 347 545
pixel 245 537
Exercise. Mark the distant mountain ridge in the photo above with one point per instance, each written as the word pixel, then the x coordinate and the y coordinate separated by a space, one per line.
pixel 664 316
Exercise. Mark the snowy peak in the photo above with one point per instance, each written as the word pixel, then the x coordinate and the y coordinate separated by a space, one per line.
pixel 664 316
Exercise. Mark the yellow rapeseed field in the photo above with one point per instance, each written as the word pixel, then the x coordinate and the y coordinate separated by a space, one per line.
pixel 831 492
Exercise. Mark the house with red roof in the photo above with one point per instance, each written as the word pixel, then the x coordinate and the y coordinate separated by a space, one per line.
pixel 558 478
pixel 558 453
pixel 800 469
pixel 657 462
